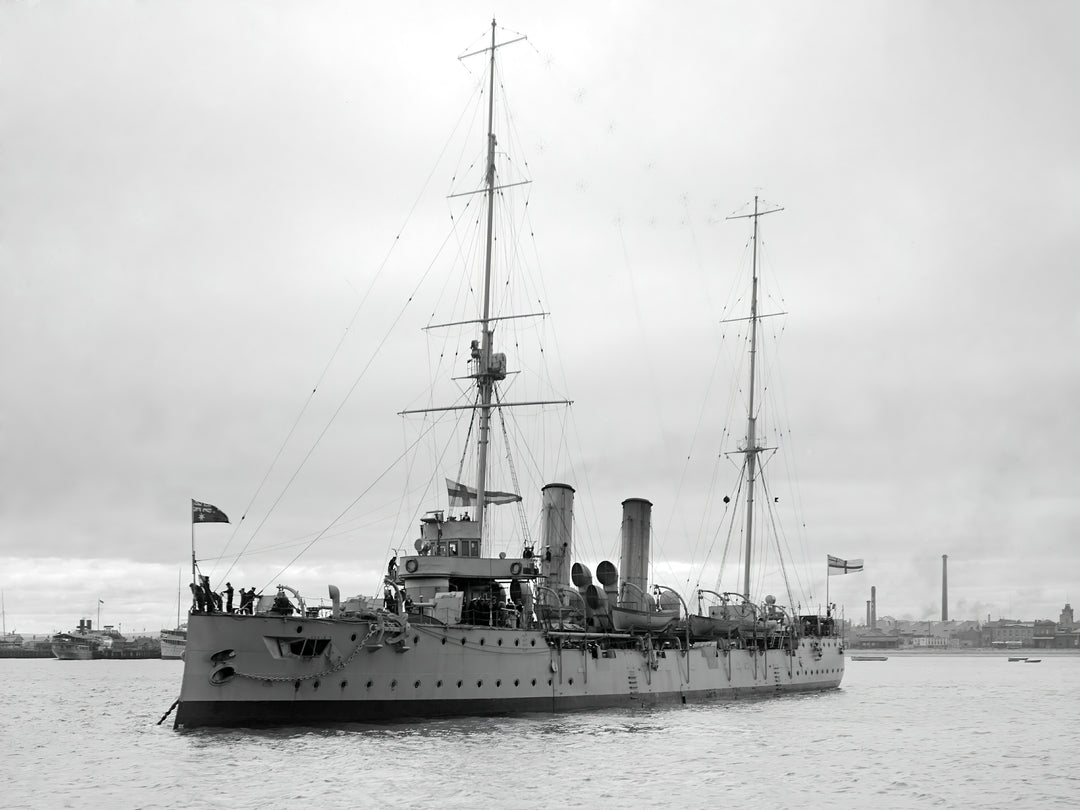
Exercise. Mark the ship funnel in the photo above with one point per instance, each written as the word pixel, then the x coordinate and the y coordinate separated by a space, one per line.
pixel 634 562
pixel 557 531
pixel 335 600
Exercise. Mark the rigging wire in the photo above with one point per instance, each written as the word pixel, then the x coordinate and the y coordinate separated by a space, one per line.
pixel 334 354
pixel 341 405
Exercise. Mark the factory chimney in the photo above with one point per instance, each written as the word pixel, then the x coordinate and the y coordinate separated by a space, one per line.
pixel 873 607
pixel 944 587
pixel 868 614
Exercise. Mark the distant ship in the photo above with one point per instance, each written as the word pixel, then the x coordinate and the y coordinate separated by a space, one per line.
pixel 464 633
pixel 8 641
pixel 13 645
pixel 173 642
pixel 86 644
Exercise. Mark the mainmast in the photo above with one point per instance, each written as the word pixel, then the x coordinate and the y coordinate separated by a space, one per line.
pixel 752 448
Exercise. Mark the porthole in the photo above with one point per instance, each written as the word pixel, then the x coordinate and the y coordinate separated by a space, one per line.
pixel 438 684
pixel 533 642
pixel 499 642
pixel 481 642
pixel 498 683
pixel 549 681
pixel 344 684
pixel 299 629
pixel 517 641
pixel 416 640
pixel 416 685
pixel 534 681
pixel 393 684
pixel 571 681
pixel 463 641
pixel 296 684
pixel 444 639
pixel 316 684
pixel 352 637
pixel 517 682
pixel 479 683
pixel 369 684
pixel 459 684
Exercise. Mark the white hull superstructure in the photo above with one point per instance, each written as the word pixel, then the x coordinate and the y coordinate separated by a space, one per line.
pixel 173 642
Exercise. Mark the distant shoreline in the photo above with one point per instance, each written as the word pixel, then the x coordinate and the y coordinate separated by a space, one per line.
pixel 1026 652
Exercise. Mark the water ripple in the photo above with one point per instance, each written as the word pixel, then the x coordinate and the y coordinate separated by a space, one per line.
pixel 926 731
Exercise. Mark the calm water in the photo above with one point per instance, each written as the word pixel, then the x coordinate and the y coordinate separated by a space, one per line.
pixel 912 732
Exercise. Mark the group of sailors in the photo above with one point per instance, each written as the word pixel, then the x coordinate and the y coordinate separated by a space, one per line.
pixel 207 600
pixel 492 613
pixel 390 600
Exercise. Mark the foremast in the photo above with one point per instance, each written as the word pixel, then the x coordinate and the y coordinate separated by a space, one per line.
pixel 486 375
pixel 487 366
pixel 752 449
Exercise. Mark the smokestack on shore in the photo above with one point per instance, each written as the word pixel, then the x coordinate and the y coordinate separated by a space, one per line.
pixel 944 587
pixel 873 607
pixel 634 561
pixel 868 613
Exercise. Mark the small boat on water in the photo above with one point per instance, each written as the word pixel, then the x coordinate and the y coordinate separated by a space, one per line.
pixel 1018 658
pixel 460 630
pixel 1032 660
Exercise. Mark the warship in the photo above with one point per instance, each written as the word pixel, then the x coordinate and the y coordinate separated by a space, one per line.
pixel 458 630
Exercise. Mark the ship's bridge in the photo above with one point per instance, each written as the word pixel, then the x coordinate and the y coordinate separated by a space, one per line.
pixel 449 548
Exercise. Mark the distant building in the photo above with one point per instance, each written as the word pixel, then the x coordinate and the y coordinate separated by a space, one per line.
pixel 1065 622
pixel 888 633
pixel 1009 633
pixel 922 642
pixel 863 638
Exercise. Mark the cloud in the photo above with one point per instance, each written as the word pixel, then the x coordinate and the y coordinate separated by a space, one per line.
pixel 193 219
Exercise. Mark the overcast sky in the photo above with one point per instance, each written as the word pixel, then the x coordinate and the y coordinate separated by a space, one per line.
pixel 204 205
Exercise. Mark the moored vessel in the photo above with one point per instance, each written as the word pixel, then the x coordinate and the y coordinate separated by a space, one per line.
pixel 84 643
pixel 173 642
pixel 461 631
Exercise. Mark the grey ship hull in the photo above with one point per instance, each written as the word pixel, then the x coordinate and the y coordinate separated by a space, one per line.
pixel 261 676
